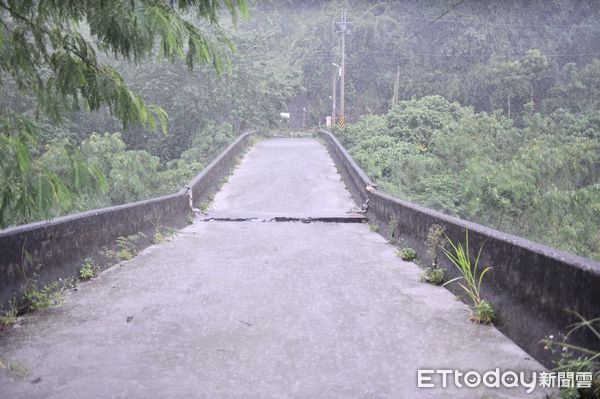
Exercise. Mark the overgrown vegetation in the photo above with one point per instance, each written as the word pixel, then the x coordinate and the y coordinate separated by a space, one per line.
pixel 39 298
pixel 53 68
pixel 576 359
pixel 471 276
pixel 496 119
pixel 126 248
pixel 539 180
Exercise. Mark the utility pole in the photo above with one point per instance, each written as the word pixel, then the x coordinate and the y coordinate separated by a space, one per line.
pixel 396 86
pixel 343 24
pixel 304 117
pixel 333 95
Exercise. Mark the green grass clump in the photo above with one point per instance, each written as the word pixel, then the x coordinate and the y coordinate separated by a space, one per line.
pixel 158 237
pixel 87 270
pixel 407 254
pixel 8 318
pixel 433 275
pixel 127 247
pixel 482 310
pixel 373 227
pixel 35 298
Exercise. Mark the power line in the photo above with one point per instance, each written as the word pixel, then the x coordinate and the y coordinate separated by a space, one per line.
pixel 474 23
pixel 325 53
pixel 478 55
pixel 435 20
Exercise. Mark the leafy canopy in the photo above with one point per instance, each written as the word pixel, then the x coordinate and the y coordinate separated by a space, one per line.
pixel 50 49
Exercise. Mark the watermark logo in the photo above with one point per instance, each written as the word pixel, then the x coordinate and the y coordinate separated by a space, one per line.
pixel 508 379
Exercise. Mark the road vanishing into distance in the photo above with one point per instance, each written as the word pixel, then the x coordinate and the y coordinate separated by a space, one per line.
pixel 279 292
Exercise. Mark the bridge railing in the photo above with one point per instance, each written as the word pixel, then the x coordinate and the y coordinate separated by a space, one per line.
pixel 47 251
pixel 532 285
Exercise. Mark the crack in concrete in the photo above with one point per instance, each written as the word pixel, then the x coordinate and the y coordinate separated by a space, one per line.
pixel 302 219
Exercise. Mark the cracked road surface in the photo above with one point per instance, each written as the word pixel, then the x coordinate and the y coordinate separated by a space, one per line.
pixel 259 310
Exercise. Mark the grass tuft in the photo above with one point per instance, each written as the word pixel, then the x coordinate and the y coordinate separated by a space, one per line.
pixel 407 254
pixel 482 311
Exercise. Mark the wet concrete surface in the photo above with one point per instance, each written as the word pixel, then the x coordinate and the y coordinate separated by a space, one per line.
pixel 294 177
pixel 258 310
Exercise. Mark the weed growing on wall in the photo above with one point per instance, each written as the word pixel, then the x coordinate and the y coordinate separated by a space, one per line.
pixel 8 317
pixel 482 310
pixel 127 247
pixel 392 226
pixel 407 254
pixel 577 359
pixel 433 275
pixel 88 269
pixel 38 298
pixel 434 243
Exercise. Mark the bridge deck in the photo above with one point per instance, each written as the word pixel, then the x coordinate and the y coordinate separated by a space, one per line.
pixel 259 310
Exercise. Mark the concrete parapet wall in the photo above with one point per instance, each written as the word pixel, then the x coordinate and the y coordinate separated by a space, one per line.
pixel 532 285
pixel 210 179
pixel 49 250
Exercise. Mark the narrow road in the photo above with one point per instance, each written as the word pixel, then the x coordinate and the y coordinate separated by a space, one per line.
pixel 254 309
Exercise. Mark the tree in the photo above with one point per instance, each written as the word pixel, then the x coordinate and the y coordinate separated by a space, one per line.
pixel 510 81
pixel 534 67
pixel 50 49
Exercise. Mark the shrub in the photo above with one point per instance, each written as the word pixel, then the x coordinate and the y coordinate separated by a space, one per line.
pixel 41 298
pixel 407 254
pixel 433 275
pixel 87 270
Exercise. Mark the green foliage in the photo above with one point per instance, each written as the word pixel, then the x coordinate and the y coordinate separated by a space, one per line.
pixel 48 53
pixel 48 40
pixel 15 368
pixel 433 275
pixel 42 187
pixel 574 358
pixel 87 270
pixel 392 226
pixel 407 254
pixel 158 237
pixel 204 206
pixel 36 298
pixel 103 172
pixel 539 181
pixel 8 317
pixel 373 227
pixel 434 243
pixel 482 59
pixel 126 248
pixel 483 311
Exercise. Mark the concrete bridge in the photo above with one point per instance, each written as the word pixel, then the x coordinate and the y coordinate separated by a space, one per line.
pixel 279 291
